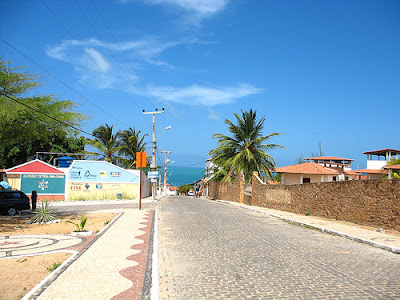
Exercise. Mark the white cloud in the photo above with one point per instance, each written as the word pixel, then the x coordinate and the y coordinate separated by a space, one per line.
pixel 203 8
pixel 98 60
pixel 213 115
pixel 203 95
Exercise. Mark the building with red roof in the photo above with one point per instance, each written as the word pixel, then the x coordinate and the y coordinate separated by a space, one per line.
pixel 36 175
pixel 309 172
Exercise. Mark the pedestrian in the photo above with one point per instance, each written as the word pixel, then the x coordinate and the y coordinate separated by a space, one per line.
pixel 197 191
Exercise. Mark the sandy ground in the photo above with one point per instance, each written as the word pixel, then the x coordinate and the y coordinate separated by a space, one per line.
pixel 19 275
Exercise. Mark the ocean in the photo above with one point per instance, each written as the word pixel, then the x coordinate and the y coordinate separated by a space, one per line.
pixel 178 176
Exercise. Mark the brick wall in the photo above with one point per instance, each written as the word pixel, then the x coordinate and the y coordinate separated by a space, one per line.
pixel 365 202
pixel 231 191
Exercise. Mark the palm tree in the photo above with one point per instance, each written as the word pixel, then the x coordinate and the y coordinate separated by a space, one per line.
pixel 106 142
pixel 395 174
pixel 131 142
pixel 245 151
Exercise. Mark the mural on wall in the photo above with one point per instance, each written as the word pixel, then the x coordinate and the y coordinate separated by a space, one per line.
pixel 101 180
pixel 93 171
pixel 43 183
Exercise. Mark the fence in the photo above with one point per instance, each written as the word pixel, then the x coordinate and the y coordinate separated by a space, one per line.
pixel 365 202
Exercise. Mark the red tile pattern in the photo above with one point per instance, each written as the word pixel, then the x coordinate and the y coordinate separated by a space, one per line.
pixel 136 273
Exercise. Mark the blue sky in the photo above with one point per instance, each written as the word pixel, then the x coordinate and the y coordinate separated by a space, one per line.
pixel 324 71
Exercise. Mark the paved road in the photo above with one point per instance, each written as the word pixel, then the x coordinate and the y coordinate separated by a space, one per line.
pixel 216 251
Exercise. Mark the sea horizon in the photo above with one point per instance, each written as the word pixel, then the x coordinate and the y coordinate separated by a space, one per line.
pixel 178 176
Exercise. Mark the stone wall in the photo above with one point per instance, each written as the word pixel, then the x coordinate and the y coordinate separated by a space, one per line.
pixel 230 191
pixel 365 202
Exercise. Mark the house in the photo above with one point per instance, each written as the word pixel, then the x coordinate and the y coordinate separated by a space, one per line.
pixel 332 161
pixel 209 167
pixel 36 175
pixel 309 172
pixel 391 168
pixel 376 162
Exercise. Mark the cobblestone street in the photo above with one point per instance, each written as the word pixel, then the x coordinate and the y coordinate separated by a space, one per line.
pixel 213 250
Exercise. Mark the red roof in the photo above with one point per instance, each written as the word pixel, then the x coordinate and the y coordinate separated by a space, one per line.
pixel 371 171
pixel 382 152
pixel 328 158
pixel 393 167
pixel 35 166
pixel 307 168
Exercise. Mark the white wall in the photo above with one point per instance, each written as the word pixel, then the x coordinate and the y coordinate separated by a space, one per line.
pixel 298 178
pixel 376 164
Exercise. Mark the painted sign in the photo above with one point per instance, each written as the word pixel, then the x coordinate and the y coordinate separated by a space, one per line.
pixel 90 190
pixel 100 172
pixel 43 183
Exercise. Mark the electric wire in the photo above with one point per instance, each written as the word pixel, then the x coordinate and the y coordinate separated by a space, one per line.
pixel 59 80
pixel 109 52
pixel 40 112
pixel 101 69
pixel 104 21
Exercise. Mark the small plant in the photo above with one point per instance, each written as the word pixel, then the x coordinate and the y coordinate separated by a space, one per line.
pixel 106 222
pixel 81 225
pixel 53 267
pixel 308 213
pixel 43 213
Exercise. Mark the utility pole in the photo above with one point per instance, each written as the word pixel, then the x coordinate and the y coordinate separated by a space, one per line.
pixel 153 166
pixel 165 170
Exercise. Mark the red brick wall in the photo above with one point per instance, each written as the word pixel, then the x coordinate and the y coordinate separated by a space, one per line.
pixel 230 191
pixel 365 202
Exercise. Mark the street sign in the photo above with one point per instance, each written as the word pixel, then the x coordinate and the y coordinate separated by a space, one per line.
pixel 141 159
pixel 153 175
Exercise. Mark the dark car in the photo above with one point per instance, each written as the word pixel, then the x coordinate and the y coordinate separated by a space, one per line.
pixel 13 201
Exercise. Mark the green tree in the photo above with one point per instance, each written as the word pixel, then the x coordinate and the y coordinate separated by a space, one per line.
pixel 184 189
pixel 246 150
pixel 395 173
pixel 23 130
pixel 107 143
pixel 131 141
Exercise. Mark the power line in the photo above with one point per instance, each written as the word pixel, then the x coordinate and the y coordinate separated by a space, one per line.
pixel 66 29
pixel 38 111
pixel 66 85
pixel 109 52
pixel 123 52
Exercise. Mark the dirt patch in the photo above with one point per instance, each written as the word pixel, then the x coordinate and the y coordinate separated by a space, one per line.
pixel 19 275
pixel 18 225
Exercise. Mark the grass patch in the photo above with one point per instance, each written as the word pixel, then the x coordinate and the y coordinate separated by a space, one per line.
pixel 53 267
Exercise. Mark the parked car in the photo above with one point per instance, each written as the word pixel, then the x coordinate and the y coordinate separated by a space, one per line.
pixel 190 193
pixel 13 201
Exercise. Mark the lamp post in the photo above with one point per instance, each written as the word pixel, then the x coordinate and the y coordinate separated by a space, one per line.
pixel 165 170
pixel 154 165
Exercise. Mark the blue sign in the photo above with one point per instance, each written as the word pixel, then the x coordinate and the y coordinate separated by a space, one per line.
pixel 99 171
pixel 152 175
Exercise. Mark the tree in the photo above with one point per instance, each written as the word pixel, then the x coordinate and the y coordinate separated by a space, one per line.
pixel 107 143
pixel 131 142
pixel 395 173
pixel 246 150
pixel 25 131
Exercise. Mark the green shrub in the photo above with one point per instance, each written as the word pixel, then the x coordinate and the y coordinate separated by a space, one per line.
pixel 43 213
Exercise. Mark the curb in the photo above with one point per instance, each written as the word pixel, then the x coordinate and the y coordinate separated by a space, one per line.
pixel 322 229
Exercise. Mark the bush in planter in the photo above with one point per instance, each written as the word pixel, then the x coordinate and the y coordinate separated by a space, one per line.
pixel 81 225
pixel 43 213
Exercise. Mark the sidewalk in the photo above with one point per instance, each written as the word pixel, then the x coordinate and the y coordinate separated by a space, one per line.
pixel 93 202
pixel 113 267
pixel 383 239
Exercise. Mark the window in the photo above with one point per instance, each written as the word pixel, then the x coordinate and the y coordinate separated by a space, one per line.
pixel 306 180
pixel 334 178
